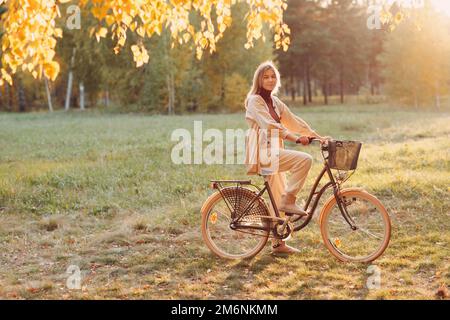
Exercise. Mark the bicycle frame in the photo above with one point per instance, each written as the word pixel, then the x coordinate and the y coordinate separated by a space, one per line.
pixel 313 198
pixel 318 195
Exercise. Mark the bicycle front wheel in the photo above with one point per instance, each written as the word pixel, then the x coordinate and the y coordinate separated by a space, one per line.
pixel 373 227
pixel 248 239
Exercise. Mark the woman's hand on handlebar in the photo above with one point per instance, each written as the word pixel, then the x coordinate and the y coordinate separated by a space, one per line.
pixel 304 140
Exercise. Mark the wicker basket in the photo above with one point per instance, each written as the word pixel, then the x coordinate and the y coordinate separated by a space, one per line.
pixel 343 155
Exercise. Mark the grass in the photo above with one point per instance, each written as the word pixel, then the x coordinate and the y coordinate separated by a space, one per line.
pixel 99 191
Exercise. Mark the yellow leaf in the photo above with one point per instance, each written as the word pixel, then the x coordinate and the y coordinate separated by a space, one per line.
pixel 199 53
pixel 58 32
pixel 6 76
pixel 109 20
pixel 126 19
pixel 227 20
pixel 186 37
pixel 51 70
pixel 337 242
pixel 121 41
pixel 141 31
pixel 145 56
pixel 213 218
pixel 134 48
pixel 204 43
pixel 103 32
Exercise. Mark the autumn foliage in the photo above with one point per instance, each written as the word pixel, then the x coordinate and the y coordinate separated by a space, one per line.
pixel 31 32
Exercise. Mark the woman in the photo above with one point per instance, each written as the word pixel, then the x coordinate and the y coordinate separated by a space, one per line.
pixel 271 122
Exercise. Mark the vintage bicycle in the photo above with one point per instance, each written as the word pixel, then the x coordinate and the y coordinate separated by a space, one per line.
pixel 355 226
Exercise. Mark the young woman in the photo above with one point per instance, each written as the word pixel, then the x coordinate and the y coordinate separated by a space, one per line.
pixel 271 122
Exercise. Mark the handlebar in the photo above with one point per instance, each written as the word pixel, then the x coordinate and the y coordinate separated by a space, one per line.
pixel 313 139
pixel 324 146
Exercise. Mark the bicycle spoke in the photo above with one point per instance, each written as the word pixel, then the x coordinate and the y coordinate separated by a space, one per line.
pixel 370 233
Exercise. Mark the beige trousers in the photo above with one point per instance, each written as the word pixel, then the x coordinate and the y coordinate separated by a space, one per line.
pixel 298 163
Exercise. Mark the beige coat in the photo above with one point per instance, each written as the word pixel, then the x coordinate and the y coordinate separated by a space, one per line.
pixel 261 125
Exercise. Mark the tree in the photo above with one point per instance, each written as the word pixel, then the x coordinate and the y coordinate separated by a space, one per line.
pixel 32 33
pixel 229 63
pixel 416 63
pixel 348 23
pixel 327 47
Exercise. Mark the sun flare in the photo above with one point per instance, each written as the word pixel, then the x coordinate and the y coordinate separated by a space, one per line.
pixel 442 6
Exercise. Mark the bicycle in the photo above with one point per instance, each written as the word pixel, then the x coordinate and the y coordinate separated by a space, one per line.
pixel 355 226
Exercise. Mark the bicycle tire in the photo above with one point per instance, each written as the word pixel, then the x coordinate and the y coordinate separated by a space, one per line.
pixel 331 208
pixel 206 211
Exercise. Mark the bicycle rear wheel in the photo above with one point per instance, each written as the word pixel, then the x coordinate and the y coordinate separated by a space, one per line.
pixel 373 232
pixel 253 229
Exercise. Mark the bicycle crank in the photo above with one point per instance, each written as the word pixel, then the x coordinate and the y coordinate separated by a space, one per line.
pixel 283 230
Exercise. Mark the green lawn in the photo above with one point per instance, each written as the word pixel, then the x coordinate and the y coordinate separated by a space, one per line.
pixel 100 191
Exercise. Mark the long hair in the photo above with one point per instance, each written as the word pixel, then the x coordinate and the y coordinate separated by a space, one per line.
pixel 258 79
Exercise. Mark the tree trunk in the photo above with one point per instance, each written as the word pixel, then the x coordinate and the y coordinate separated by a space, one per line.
pixel 21 96
pixel 69 81
pixel 171 93
pixel 292 87
pixel 341 85
pixel 325 92
pixel 2 97
pixel 10 96
pixel 169 77
pixel 305 85
pixel 49 96
pixel 308 80
pixel 222 88
pixel 172 79
pixel 81 95
pixel 107 98
pixel 69 91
